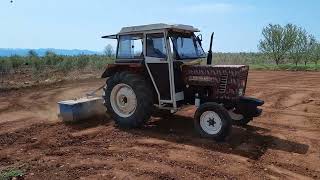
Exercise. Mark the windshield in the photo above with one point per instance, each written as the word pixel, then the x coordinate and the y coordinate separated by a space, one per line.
pixel 186 46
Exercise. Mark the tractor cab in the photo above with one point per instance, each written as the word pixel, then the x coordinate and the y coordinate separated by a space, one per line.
pixel 158 41
pixel 162 49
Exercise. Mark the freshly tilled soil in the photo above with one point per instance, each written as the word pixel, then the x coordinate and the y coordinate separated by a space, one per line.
pixel 282 143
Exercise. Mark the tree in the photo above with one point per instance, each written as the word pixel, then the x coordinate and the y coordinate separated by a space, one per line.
pixel 34 61
pixel 32 54
pixel 50 53
pixel 310 48
pixel 51 58
pixel 315 53
pixel 108 50
pixel 303 47
pixel 277 41
pixel 300 46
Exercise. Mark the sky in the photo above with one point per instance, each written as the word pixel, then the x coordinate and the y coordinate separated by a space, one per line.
pixel 79 24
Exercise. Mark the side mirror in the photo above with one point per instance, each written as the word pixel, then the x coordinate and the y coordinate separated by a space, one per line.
pixel 199 39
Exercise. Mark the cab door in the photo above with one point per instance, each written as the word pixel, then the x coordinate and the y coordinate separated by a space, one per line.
pixel 159 66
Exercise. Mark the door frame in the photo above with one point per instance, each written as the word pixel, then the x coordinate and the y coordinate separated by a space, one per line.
pixel 169 61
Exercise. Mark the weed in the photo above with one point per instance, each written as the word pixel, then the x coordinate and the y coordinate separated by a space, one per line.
pixel 11 173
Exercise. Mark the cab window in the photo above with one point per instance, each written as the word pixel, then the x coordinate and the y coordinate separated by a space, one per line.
pixel 186 46
pixel 156 45
pixel 130 47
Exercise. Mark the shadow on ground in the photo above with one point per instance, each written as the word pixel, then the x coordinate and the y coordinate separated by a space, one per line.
pixel 89 123
pixel 250 141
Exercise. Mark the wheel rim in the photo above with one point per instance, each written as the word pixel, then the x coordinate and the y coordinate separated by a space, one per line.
pixel 123 100
pixel 210 122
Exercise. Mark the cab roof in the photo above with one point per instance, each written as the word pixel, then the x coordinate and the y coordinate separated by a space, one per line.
pixel 150 27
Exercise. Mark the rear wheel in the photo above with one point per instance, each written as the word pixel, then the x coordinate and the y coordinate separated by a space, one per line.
pixel 128 99
pixel 213 121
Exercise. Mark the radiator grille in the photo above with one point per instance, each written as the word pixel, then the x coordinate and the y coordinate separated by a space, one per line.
pixel 223 83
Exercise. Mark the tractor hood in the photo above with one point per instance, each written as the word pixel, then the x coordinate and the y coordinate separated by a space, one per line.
pixel 224 81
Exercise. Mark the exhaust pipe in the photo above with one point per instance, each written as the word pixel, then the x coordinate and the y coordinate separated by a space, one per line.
pixel 209 57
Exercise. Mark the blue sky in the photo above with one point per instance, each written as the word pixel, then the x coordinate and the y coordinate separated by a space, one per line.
pixel 78 24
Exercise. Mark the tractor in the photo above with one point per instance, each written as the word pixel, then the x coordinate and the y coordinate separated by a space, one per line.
pixel 159 67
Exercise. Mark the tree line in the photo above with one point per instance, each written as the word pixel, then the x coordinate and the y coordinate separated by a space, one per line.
pixel 39 64
pixel 289 43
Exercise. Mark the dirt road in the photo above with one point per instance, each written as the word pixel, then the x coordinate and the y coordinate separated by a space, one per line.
pixel 283 143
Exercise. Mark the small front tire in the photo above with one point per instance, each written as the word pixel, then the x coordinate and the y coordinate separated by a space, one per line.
pixel 213 121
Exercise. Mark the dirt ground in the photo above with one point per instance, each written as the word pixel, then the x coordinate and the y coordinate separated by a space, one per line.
pixel 281 144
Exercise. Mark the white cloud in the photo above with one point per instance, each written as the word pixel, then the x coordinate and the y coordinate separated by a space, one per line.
pixel 217 8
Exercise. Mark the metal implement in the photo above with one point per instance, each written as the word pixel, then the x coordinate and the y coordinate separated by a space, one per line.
pixel 82 108
pixel 93 93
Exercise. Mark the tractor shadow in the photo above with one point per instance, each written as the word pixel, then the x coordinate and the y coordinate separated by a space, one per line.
pixel 251 141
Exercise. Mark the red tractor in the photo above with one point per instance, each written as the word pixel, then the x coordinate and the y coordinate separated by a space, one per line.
pixel 158 67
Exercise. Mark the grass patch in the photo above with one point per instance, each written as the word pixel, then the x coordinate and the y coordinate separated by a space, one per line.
pixel 285 67
pixel 38 65
pixel 11 173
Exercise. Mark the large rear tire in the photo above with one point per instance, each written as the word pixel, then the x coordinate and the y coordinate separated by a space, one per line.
pixel 213 121
pixel 128 98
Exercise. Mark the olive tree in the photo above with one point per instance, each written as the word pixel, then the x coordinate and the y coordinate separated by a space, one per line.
pixel 32 53
pixel 51 58
pixel 300 46
pixel 311 45
pixel 315 53
pixel 108 50
pixel 278 40
pixel 50 53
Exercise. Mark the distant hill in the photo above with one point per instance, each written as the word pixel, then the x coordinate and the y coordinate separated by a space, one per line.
pixel 41 52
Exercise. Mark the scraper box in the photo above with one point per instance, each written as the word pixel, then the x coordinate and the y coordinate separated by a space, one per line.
pixel 81 109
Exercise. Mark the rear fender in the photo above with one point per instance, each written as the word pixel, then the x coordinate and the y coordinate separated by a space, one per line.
pixel 113 68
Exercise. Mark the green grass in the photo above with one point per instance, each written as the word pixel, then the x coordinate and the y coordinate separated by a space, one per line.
pixel 259 61
pixel 52 61
pixel 286 67
pixel 9 174
pixel 65 64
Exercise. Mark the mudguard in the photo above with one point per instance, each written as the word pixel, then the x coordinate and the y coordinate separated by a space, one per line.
pixel 248 106
pixel 113 68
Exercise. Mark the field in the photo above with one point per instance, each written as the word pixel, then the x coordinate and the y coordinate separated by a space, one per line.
pixel 24 71
pixel 283 143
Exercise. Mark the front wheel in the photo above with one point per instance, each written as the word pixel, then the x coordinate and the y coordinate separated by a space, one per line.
pixel 213 121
